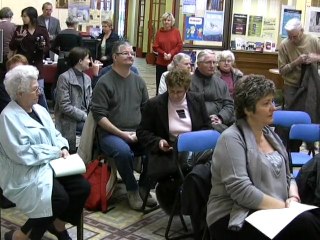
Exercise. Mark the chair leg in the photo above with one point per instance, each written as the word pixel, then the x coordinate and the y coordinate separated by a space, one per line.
pixel 183 222
pixel 80 228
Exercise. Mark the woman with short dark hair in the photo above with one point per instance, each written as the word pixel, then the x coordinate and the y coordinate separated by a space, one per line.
pixel 250 170
pixel 73 96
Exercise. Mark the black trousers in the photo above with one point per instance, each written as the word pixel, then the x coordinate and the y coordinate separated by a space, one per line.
pixel 68 198
pixel 304 226
pixel 159 70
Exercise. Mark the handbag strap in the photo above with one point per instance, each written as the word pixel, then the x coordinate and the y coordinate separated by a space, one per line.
pixel 104 180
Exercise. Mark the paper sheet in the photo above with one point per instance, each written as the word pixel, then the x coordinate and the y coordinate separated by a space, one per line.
pixel 270 222
pixel 71 165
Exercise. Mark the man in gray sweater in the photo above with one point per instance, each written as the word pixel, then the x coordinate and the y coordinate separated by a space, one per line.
pixel 216 94
pixel 117 101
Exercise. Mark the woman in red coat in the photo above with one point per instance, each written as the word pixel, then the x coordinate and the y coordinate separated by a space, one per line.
pixel 167 43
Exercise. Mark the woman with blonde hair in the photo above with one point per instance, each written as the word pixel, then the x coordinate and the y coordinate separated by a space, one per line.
pixel 167 44
pixel 107 37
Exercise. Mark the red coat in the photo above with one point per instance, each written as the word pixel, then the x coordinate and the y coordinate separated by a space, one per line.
pixel 167 42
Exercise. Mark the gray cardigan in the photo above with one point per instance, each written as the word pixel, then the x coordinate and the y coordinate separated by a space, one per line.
pixel 235 192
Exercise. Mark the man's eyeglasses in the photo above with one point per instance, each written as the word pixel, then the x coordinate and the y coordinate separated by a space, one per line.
pixel 209 62
pixel 126 54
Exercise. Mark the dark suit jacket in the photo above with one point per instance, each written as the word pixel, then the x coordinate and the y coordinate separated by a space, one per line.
pixel 154 124
pixel 54 25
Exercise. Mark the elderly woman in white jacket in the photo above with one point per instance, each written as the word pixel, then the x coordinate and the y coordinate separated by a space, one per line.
pixel 28 142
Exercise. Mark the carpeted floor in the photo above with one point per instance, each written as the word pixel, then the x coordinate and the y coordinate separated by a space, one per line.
pixel 120 222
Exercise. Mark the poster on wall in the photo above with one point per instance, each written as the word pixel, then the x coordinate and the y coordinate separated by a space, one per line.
pixel 194 28
pixel 189 6
pixel 61 3
pixel 239 24
pixel 215 5
pixel 286 14
pixel 255 26
pixel 213 26
pixel 312 23
pixel 269 27
pixel 80 9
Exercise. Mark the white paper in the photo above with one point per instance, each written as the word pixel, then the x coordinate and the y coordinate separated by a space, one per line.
pixel 71 165
pixel 270 222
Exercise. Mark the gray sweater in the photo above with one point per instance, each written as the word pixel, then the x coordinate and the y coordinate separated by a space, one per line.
pixel 119 99
pixel 240 175
pixel 216 95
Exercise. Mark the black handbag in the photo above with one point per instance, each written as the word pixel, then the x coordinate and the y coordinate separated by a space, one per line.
pixel 163 164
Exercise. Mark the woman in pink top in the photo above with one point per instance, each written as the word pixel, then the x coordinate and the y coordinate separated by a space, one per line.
pixel 167 43
pixel 226 70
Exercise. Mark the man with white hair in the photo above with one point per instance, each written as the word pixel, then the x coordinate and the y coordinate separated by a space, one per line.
pixel 298 49
pixel 297 60
pixel 218 101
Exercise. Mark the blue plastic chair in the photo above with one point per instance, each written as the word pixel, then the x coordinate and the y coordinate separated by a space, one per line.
pixel 285 118
pixel 307 133
pixel 196 141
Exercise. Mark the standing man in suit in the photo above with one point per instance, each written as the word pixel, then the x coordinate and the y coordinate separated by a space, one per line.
pixel 51 23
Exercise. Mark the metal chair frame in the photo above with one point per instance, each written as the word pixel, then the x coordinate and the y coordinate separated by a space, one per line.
pixel 196 141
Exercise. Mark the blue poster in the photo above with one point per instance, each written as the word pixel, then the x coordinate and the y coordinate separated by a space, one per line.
pixel 194 28
pixel 213 26
pixel 287 15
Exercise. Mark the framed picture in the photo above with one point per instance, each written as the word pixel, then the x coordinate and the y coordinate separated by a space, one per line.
pixel 312 23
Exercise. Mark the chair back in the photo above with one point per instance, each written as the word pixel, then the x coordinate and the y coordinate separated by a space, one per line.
pixel 286 118
pixel 197 141
pixel 305 132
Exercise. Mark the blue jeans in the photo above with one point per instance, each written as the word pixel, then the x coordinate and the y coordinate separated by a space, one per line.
pixel 123 154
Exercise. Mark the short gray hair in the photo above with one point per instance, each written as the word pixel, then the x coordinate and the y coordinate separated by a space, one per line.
pixel 6 13
pixel 71 20
pixel 19 79
pixel 223 55
pixel 293 24
pixel 203 53
pixel 177 59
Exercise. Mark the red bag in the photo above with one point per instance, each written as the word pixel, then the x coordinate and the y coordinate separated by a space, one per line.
pixel 98 174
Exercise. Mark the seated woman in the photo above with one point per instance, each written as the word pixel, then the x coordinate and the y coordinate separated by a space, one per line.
pixel 73 96
pixel 250 170
pixel 28 142
pixel 181 61
pixel 167 115
pixel 226 70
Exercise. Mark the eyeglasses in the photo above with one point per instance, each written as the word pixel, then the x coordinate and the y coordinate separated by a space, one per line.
pixel 226 61
pixel 37 90
pixel 126 54
pixel 209 62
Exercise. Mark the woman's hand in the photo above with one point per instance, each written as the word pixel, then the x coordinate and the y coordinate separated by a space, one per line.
pixel 164 146
pixel 65 153
pixel 292 199
pixel 21 34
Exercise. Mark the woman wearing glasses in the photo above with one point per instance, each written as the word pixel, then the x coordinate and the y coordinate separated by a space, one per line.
pixel 107 37
pixel 28 142
pixel 226 70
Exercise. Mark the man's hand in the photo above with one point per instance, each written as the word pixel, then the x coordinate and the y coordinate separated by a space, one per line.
pixel 311 58
pixel 164 146
pixel 215 119
pixel 130 137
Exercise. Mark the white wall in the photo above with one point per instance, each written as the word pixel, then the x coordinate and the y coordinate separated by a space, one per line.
pixel 17 5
